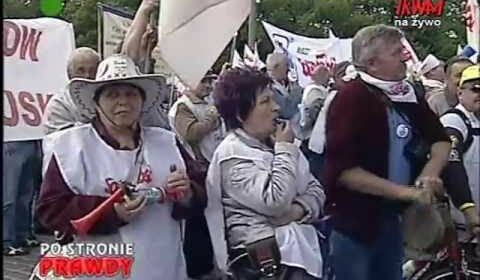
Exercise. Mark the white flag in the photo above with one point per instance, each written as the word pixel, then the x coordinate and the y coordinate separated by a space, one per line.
pixel 331 35
pixel 193 33
pixel 252 59
pixel 237 60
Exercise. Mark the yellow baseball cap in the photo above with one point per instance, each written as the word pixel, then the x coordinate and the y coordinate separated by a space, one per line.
pixel 470 73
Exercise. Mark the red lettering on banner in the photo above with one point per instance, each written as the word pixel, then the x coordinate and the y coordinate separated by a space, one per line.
pixel 10 29
pixel 26 101
pixel 30 37
pixel 43 103
pixel 321 60
pixel 13 119
pixel 34 105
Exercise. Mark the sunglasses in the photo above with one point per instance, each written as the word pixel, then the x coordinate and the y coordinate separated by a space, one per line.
pixel 474 89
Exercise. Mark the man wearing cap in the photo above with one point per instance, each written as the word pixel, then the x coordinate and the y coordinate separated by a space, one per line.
pixel 442 101
pixel 199 130
pixel 91 161
pixel 462 175
pixel 432 75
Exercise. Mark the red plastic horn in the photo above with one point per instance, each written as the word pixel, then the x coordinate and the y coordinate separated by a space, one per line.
pixel 84 224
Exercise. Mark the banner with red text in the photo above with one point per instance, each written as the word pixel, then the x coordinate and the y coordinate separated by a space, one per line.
pixel 306 53
pixel 35 54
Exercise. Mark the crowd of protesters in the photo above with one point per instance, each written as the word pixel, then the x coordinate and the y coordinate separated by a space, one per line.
pixel 252 164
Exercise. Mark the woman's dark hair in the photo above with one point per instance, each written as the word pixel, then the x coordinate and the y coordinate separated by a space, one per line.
pixel 235 94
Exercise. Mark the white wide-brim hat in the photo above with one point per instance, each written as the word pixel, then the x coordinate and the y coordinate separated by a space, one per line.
pixel 118 69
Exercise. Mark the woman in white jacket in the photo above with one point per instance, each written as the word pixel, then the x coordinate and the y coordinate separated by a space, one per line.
pixel 261 194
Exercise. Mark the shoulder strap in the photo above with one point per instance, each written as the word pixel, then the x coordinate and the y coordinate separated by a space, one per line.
pixel 419 90
pixel 469 139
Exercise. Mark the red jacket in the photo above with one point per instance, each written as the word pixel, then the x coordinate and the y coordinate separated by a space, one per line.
pixel 358 136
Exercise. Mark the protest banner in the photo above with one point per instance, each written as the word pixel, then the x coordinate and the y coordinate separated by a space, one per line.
pixel 306 53
pixel 113 24
pixel 35 53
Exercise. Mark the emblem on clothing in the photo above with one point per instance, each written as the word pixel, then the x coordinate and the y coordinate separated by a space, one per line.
pixel 454 155
pixel 454 141
pixel 402 130
pixel 145 175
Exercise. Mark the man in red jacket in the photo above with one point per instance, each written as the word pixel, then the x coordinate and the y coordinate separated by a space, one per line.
pixel 374 125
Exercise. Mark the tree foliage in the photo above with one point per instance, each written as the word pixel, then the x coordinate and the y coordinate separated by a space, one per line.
pixel 306 17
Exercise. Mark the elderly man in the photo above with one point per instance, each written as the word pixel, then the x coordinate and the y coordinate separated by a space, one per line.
pixel 444 100
pixel 287 94
pixel 374 122
pixel 60 112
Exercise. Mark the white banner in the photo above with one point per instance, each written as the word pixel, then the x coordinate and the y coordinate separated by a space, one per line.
pixel 306 53
pixel 35 53
pixel 115 24
pixel 193 33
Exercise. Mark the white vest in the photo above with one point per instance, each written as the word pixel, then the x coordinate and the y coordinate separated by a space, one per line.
pixel 87 163
pixel 471 157
pixel 210 142
pixel 298 243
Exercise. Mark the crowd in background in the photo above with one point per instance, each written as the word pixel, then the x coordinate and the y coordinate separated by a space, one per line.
pixel 265 159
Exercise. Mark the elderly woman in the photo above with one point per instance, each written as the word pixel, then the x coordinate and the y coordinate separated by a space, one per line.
pixel 91 161
pixel 260 181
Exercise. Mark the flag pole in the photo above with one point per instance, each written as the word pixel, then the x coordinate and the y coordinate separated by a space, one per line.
pixel 233 47
pixel 100 29
pixel 153 22
pixel 252 24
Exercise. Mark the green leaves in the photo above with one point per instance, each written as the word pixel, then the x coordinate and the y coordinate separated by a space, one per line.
pixel 307 17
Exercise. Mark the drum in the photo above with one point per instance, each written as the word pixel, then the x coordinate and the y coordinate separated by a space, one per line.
pixel 425 228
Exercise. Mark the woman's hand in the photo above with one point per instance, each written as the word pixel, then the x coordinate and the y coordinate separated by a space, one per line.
pixel 130 208
pixel 178 186
pixel 284 132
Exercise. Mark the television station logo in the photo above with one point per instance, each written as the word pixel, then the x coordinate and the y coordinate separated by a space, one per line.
pixel 418 13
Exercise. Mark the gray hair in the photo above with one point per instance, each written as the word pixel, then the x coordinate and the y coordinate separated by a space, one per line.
pixel 276 58
pixel 76 54
pixel 366 43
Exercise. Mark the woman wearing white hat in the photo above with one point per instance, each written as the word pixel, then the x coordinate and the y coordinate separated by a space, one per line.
pixel 89 162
